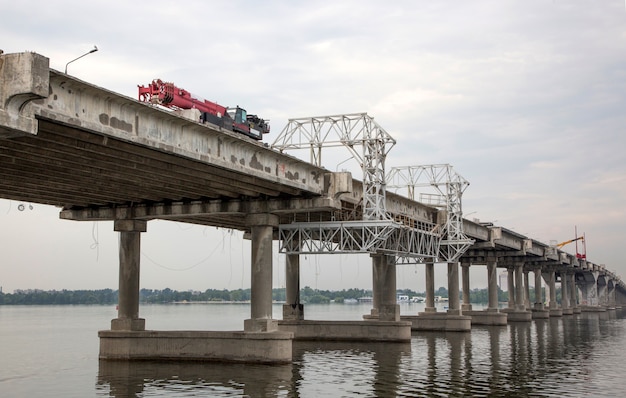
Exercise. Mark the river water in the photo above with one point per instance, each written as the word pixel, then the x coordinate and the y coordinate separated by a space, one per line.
pixel 52 351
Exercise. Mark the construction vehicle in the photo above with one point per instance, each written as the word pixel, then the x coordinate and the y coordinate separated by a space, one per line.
pixel 235 119
pixel 583 255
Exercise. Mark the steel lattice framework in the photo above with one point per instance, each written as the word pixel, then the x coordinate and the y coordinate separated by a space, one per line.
pixel 450 187
pixel 409 244
pixel 377 231
pixel 356 130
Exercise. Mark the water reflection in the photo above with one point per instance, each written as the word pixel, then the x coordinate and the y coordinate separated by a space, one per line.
pixel 348 368
pixel 562 356
pixel 318 369
pixel 145 378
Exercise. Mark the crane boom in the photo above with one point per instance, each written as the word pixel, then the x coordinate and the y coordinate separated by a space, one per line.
pixel 560 245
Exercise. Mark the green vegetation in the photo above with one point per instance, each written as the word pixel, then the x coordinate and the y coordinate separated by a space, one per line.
pixel 59 297
pixel 150 296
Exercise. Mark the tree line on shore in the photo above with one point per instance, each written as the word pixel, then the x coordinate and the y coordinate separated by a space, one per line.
pixel 154 296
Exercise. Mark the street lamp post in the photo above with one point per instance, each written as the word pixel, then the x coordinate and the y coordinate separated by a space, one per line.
pixel 95 48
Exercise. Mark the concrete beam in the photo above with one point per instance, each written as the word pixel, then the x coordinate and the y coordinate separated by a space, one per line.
pixel 23 78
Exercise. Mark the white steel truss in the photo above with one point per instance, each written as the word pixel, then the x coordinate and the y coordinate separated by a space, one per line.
pixel 377 236
pixel 352 131
pixel 449 186
pixel 377 231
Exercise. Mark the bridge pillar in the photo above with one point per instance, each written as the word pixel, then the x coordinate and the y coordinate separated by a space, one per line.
pixel 553 306
pixel 491 315
pixel 376 288
pixel 430 288
pixel 526 291
pixel 454 304
pixel 573 291
pixel 611 295
pixel 262 226
pixel 538 310
pixel 129 255
pixel 492 285
pixel 516 311
pixel 602 293
pixel 449 321
pixel 388 309
pixel 510 280
pixel 293 310
pixel 565 296
pixel 465 275
pixel 519 288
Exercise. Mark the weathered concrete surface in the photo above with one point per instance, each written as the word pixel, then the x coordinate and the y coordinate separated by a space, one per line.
pixel 435 321
pixel 540 313
pixel 514 315
pixel 24 77
pixel 487 317
pixel 348 330
pixel 271 347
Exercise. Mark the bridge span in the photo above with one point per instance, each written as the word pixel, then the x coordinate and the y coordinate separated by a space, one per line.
pixel 99 155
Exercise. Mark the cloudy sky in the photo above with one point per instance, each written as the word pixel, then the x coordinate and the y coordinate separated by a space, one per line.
pixel 525 98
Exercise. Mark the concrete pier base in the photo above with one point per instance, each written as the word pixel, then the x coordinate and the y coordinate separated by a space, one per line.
pixel 347 330
pixel 592 308
pixel 540 313
pixel 556 312
pixel 217 346
pixel 576 310
pixel 514 315
pixel 486 317
pixel 439 321
pixel 568 311
pixel 293 312
pixel 128 324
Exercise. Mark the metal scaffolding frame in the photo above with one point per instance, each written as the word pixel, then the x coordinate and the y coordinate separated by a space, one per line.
pixel 450 187
pixel 409 244
pixel 355 130
pixel 377 232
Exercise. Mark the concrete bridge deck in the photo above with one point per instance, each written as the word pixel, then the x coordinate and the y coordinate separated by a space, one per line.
pixel 99 155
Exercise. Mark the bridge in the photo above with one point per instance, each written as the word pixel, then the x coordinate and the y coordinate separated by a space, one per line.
pixel 98 155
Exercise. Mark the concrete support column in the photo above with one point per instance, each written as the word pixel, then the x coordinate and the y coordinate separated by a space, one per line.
pixel 129 256
pixel 377 270
pixel 465 275
pixel 388 310
pixel 261 226
pixel 552 285
pixel 538 290
pixel 292 310
pixel 602 295
pixel 611 295
pixel 510 279
pixel 519 288
pixel 430 288
pixel 573 291
pixel 492 285
pixel 565 293
pixel 526 291
pixel 454 305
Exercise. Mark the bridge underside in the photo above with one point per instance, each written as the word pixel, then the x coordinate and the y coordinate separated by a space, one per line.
pixel 67 167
